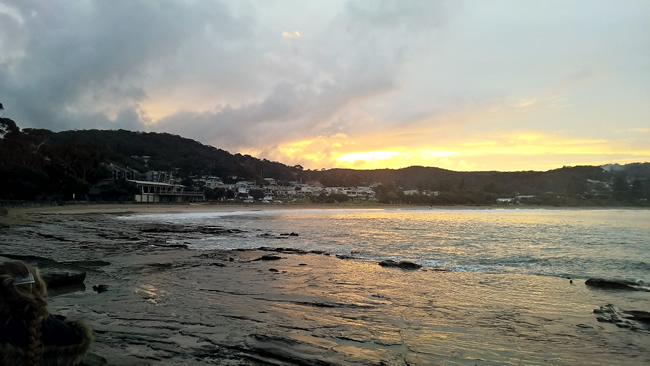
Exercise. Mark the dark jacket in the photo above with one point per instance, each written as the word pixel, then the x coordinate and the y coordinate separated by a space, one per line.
pixel 65 342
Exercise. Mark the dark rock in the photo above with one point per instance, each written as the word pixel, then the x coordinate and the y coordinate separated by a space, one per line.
pixel 231 259
pixel 273 270
pixel 217 264
pixel 217 255
pixel 401 264
pixel 166 229
pixel 632 319
pixel 61 275
pixel 343 256
pixel 612 284
pixel 53 273
pixel 181 246
pixel 92 359
pixel 31 259
pixel 85 264
pixel 283 250
pixel 268 257
pixel 100 288
pixel 639 315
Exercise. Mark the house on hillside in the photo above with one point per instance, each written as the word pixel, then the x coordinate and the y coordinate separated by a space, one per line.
pixel 123 173
pixel 153 192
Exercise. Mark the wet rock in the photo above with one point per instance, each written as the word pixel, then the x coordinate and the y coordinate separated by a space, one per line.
pixel 100 288
pixel 283 250
pixel 92 359
pixel 31 259
pixel 402 264
pixel 271 236
pixel 343 256
pixel 612 284
pixel 268 257
pixel 166 229
pixel 631 319
pixel 53 273
pixel 281 350
pixel 217 255
pixel 175 246
pixel 90 263
pixel 62 275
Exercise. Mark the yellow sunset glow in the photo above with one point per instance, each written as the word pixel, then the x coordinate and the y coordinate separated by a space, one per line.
pixel 365 156
pixel 506 151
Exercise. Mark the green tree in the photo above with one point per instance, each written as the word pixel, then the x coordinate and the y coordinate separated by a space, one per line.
pixel 257 194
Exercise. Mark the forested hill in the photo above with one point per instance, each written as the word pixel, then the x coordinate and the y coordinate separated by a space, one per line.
pixel 165 152
pixel 38 164
pixel 564 180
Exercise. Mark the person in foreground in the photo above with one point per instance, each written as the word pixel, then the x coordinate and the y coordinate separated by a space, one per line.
pixel 29 334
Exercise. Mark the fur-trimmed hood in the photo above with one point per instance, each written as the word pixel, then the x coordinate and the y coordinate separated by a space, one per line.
pixel 53 355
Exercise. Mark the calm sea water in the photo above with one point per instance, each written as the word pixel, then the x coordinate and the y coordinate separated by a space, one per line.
pixel 575 243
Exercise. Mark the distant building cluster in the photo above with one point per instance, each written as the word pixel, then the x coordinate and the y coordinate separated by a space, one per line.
pixel 158 186
pixel 278 192
pixel 164 186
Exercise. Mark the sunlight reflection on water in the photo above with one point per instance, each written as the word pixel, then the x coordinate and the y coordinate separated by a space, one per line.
pixel 575 243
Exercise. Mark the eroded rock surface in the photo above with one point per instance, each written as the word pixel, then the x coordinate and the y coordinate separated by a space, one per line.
pixel 632 319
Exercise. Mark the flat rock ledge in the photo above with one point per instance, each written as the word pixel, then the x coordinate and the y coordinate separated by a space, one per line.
pixel 55 274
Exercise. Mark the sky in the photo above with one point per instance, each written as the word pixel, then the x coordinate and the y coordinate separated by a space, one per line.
pixel 461 85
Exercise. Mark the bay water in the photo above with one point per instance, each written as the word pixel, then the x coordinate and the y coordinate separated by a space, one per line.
pixel 573 243
pixel 494 288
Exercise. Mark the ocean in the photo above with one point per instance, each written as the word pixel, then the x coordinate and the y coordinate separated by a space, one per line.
pixel 568 243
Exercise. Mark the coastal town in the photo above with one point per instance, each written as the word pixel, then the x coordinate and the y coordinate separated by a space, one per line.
pixel 157 186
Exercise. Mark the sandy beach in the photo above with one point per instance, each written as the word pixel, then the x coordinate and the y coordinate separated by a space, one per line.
pixel 169 305
pixel 25 215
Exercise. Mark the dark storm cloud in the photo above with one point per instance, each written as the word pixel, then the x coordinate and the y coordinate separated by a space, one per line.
pixel 81 61
pixel 94 64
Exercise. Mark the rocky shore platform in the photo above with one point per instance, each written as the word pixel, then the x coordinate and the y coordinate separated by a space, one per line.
pixel 151 300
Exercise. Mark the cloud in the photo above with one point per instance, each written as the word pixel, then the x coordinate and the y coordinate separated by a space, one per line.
pixel 331 77
pixel 291 34
pixel 349 77
pixel 80 62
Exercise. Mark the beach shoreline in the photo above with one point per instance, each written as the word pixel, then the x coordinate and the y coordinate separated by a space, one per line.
pixel 167 304
pixel 23 215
